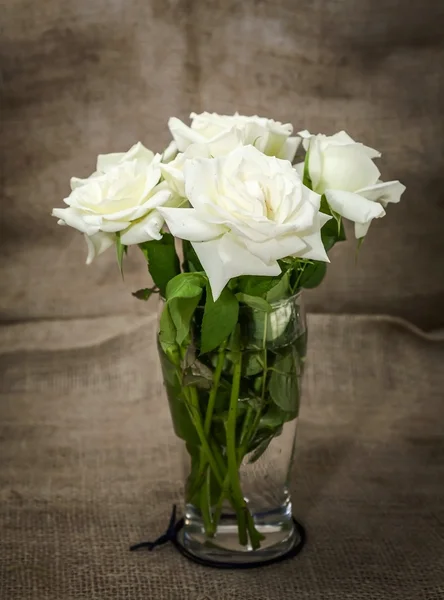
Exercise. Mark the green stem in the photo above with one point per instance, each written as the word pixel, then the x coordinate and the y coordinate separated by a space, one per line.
pixel 209 448
pixel 205 491
pixel 214 388
pixel 258 415
pixel 223 495
pixel 246 423
pixel 264 358
pixel 205 504
pixel 235 457
pixel 192 404
pixel 238 500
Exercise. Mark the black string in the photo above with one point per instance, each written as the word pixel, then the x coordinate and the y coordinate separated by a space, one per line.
pixel 168 536
pixel 171 535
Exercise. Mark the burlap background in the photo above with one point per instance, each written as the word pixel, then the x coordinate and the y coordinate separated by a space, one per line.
pixel 87 77
pixel 88 461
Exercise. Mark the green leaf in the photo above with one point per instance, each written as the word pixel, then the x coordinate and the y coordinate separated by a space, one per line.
pixel 255 302
pixel 145 293
pixel 191 379
pixel 219 319
pixel 121 251
pixel 234 344
pixel 313 275
pixel 284 382
pixel 183 293
pixel 256 285
pixel 163 263
pixel 185 285
pixel 182 423
pixel 281 290
pixel 252 364
pixel 260 449
pixel 190 260
pixel 167 336
pixel 274 417
pixel 181 310
pixel 333 231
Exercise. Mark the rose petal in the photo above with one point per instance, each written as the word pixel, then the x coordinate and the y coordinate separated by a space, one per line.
pixel 174 176
pixel 289 148
pixel 361 229
pixel 158 198
pixel 353 206
pixel 186 224
pixel 183 135
pixel 105 162
pixel 342 138
pixel 200 180
pixel 113 226
pixel 315 162
pixel 225 258
pixel 315 247
pixel 143 231
pixel 76 182
pixel 345 168
pixel 224 143
pixel 74 218
pixel 299 168
pixel 312 197
pixel 384 192
pixel 305 136
pixel 170 152
pixel 98 243
pixel 274 249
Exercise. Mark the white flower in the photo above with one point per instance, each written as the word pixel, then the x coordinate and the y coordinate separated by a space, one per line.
pixel 173 170
pixel 344 171
pixel 248 211
pixel 268 136
pixel 121 196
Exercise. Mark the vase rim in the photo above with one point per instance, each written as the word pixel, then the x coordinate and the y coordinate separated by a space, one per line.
pixel 274 305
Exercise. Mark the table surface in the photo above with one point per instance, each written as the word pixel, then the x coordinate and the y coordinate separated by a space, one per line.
pixel 89 464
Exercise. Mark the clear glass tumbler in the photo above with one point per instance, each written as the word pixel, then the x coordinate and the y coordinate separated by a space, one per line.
pixel 236 410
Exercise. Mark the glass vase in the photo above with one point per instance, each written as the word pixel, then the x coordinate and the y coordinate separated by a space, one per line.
pixel 236 410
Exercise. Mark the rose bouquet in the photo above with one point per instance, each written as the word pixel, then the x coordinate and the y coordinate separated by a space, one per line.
pixel 255 228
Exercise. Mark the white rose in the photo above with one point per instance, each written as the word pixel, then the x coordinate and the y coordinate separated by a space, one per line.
pixel 248 211
pixel 121 196
pixel 270 137
pixel 344 171
pixel 173 170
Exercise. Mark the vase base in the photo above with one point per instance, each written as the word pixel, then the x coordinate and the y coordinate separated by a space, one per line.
pixel 282 540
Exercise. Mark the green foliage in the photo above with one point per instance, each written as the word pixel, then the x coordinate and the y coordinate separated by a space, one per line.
pixel 167 336
pixel 185 285
pixel 145 293
pixel 274 417
pixel 183 293
pixel 313 274
pixel 261 448
pixel 252 364
pixel 219 319
pixel 255 302
pixel 190 260
pixel 256 285
pixel 181 310
pixel 333 231
pixel 182 423
pixel 163 262
pixel 281 289
pixel 284 385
